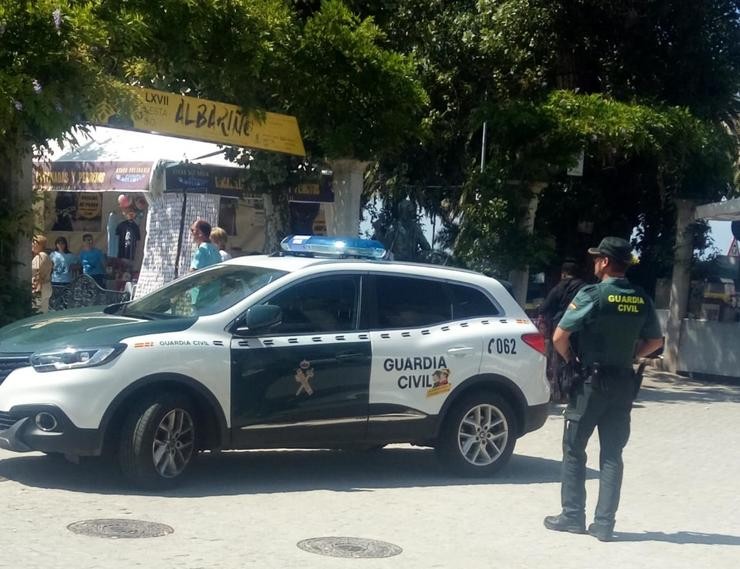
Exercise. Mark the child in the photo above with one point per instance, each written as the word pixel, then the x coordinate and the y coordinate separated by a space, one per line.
pixel 219 238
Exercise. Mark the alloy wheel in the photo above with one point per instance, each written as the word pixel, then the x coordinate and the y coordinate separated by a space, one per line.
pixel 173 443
pixel 482 435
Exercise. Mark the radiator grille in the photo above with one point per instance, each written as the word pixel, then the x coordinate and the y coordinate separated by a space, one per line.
pixel 9 363
pixel 6 421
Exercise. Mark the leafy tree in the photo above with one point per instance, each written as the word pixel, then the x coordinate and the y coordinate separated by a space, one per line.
pixel 59 59
pixel 666 74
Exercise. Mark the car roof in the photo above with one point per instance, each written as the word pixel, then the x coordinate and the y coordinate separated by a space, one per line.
pixel 293 263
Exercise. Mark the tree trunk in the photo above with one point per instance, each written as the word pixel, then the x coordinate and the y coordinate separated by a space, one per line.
pixel 16 196
pixel 519 278
pixel 680 282
pixel 348 184
pixel 277 219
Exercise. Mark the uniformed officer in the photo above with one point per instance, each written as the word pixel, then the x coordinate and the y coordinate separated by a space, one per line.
pixel 616 323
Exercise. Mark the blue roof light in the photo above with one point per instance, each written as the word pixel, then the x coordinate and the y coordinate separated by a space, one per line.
pixel 332 246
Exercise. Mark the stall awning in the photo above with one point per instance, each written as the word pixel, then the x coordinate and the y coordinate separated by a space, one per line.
pixel 728 210
pixel 122 161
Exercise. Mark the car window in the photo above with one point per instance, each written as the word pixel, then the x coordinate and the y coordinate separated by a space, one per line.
pixel 469 302
pixel 321 305
pixel 204 292
pixel 405 302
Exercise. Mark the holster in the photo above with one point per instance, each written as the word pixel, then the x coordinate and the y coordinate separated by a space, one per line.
pixel 571 376
pixel 637 378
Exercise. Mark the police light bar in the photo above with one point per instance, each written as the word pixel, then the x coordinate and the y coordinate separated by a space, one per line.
pixel 332 246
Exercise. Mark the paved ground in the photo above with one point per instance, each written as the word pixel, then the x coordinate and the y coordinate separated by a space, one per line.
pixel 680 504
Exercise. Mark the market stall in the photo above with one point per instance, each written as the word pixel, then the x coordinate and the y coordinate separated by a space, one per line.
pixel 708 342
pixel 138 211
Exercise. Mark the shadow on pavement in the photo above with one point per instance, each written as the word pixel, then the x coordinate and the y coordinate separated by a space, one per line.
pixel 680 537
pixel 264 472
pixel 661 387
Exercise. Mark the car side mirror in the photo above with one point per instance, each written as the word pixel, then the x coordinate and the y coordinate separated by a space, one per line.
pixel 259 317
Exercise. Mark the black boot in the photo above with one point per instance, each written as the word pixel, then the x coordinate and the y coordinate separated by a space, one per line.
pixel 562 522
pixel 602 532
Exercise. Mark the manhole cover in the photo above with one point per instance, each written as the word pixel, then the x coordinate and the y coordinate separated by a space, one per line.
pixel 120 529
pixel 349 547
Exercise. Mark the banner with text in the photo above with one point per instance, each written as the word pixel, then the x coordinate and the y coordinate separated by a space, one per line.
pixel 200 119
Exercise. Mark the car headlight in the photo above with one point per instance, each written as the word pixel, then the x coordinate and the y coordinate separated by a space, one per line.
pixel 75 358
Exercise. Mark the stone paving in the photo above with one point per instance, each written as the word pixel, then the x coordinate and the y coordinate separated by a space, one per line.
pixel 680 503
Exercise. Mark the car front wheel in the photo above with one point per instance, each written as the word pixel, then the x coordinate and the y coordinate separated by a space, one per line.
pixel 478 435
pixel 157 442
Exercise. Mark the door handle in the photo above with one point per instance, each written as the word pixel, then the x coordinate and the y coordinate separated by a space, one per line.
pixel 349 356
pixel 460 351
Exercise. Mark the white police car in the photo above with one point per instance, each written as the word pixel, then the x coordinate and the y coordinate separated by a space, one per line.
pixel 298 350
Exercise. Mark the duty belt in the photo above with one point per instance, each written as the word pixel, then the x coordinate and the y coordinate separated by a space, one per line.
pixel 602 377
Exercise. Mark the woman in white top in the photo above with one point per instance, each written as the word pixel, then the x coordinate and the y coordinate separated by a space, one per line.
pixel 219 238
pixel 41 267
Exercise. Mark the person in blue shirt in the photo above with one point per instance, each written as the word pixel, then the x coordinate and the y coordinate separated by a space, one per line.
pixel 65 263
pixel 92 260
pixel 206 253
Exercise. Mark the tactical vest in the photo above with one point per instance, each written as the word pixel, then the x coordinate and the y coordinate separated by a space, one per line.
pixel 613 328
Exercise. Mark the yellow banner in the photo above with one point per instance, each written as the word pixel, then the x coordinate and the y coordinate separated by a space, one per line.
pixel 200 119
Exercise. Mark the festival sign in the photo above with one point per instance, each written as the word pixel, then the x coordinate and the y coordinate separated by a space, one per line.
pixel 89 176
pixel 160 112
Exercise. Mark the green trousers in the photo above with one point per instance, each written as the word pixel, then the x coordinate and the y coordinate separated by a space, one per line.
pixel 605 405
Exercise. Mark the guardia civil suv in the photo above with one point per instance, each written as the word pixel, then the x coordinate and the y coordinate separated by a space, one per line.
pixel 322 346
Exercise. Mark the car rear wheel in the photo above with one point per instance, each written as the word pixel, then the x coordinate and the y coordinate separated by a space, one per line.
pixel 478 435
pixel 158 441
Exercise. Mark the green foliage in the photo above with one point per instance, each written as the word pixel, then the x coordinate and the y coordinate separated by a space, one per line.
pixel 232 51
pixel 353 97
pixel 15 299
pixel 52 69
pixel 649 90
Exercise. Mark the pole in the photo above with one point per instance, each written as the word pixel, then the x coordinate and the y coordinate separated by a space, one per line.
pixel 680 283
pixel 483 147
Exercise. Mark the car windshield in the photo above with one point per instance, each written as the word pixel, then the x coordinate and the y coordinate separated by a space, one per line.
pixel 204 292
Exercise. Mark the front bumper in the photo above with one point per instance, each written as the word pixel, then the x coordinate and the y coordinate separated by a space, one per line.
pixel 20 433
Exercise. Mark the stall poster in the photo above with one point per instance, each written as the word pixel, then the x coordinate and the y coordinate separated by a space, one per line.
pixel 73 211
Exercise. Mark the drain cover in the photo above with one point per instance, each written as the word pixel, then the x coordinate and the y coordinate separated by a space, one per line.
pixel 349 547
pixel 120 529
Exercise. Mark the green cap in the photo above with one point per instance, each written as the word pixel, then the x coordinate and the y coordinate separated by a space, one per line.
pixel 615 247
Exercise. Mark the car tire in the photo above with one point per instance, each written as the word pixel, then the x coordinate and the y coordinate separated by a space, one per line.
pixel 158 441
pixel 478 435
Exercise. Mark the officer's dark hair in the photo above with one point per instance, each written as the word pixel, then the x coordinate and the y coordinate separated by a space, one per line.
pixel 618 266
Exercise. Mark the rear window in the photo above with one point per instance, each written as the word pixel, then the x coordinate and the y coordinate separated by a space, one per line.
pixel 469 302
pixel 409 303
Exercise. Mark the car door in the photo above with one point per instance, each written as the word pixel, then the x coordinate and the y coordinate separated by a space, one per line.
pixel 421 351
pixel 304 381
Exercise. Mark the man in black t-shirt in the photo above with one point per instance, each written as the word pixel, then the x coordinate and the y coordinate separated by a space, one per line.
pixel 552 310
pixel 128 236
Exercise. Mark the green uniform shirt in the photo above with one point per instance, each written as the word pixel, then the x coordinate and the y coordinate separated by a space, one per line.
pixel 610 317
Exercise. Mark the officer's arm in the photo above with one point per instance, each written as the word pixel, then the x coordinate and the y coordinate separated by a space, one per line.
pixel 647 346
pixel 580 310
pixel 651 335
pixel 561 342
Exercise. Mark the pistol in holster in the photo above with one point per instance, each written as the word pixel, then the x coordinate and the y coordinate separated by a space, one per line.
pixel 571 377
pixel 637 378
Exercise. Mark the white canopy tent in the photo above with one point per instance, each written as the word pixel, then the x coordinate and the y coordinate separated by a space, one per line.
pixel 109 145
pixel 728 210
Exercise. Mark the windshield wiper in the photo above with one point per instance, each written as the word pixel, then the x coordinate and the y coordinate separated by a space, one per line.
pixel 140 315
